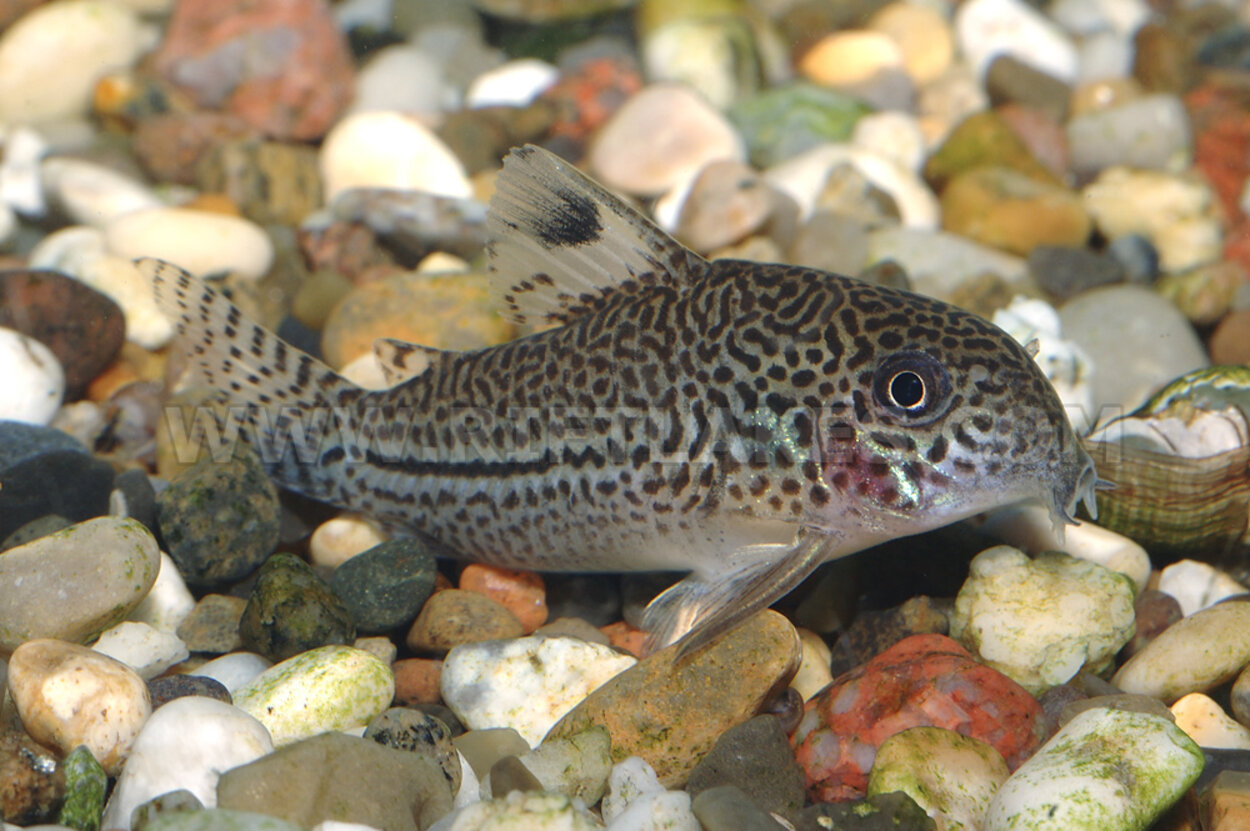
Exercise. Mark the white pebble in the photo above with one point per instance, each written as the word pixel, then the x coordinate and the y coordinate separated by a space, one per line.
pixel 630 779
pixel 1194 654
pixel 1197 585
pixel 1150 133
pixel 337 540
pixel 21 186
pixel 92 194
pixel 366 371
pixel 147 651
pixel 513 84
pixel 986 29
pixel 813 675
pixel 169 601
pixel 1066 366
pixel 403 78
pixel 1105 56
pixel 186 744
pixel 525 683
pixel 234 670
pixel 199 241
pixel 891 135
pixel 51 57
pixel 34 382
pixel 1206 723
pixel 661 811
pixel 390 150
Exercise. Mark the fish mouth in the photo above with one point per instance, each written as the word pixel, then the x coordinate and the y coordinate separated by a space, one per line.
pixel 1078 482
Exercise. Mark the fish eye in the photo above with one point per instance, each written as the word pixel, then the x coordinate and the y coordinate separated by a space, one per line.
pixel 912 385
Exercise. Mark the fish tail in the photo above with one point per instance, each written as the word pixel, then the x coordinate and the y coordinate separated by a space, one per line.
pixel 290 407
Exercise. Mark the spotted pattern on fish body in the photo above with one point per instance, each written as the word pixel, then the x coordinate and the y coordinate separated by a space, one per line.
pixel 742 421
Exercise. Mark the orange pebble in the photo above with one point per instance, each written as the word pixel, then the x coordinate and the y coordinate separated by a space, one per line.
pixel 416 681
pixel 520 592
pixel 214 203
pixel 623 636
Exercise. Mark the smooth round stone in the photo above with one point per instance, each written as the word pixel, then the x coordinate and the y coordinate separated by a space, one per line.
pixel 39 83
pixel 520 592
pixel 660 138
pixel 339 539
pixel 385 587
pixel 1197 585
pixel 670 712
pixel 46 471
pixel 93 194
pixel 235 670
pixel 291 610
pixel 106 565
pixel 868 65
pixel 1203 294
pixel 1103 56
pixel 453 617
pixel 416 681
pixel 199 241
pixel 943 265
pixel 328 688
pixel 1177 213
pixel 525 683
pixel 523 812
pixel 186 745
pixel 1009 80
pixel 85 786
pixel 1105 770
pixel 756 757
pixel 220 520
pixel 718 56
pixel 1065 271
pixel 168 603
pixel 923 36
pixel 1195 654
pixel 1042 621
pixel 1142 341
pixel 1230 342
pixel 83 328
pixel 34 380
pixel 213 625
pixel 1004 209
pixel 727 202
pixel 1150 133
pixel 1208 725
pixel 79 251
pixel 169 687
pixel 985 29
pixel 69 695
pixel 392 150
pixel 385 83
pixel 576 766
pixel 952 776
pixel 727 808
pixel 147 651
pixel 1239 697
pixel 1155 611
pixel 514 84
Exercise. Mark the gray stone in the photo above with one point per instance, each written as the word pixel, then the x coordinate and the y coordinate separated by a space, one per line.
pixel 726 808
pixel 508 775
pixel 384 587
pixel 292 610
pixel 45 472
pixel 1064 272
pixel 213 625
pixel 756 757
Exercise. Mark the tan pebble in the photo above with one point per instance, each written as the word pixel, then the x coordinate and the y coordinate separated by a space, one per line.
pixel 454 616
pixel 1194 654
pixel 520 592
pixel 671 713
pixel 999 207
pixel 416 681
pixel 380 647
pixel 67 695
pixel 338 540
pixel 814 673
pixel 572 627
pixel 923 36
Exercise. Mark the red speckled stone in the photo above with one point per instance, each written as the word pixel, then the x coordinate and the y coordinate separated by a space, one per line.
pixel 1221 125
pixel 586 96
pixel 282 66
pixel 922 681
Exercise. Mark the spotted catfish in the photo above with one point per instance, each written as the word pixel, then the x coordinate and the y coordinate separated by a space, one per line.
pixel 741 421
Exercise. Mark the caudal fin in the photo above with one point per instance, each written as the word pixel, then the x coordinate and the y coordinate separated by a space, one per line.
pixel 288 405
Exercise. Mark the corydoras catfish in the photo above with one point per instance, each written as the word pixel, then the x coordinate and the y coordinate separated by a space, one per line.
pixel 745 422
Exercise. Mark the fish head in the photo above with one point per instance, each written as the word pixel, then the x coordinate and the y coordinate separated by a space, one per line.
pixel 945 416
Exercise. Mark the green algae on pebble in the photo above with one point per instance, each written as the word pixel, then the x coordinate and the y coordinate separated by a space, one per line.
pixel 329 688
pixel 85 785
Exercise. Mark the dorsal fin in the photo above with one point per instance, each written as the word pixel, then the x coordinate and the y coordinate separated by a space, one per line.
pixel 401 360
pixel 561 246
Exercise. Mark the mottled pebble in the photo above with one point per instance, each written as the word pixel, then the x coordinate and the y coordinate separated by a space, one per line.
pixel 1105 770
pixel 85 786
pixel 420 733
pixel 454 617
pixel 67 695
pixel 291 610
pixel 328 688
pixel 146 650
pixel 333 776
pixel 34 783
pixel 106 565
pixel 217 819
pixel 46 471
pixel 754 756
pixel 201 242
pixel 270 182
pixel 1042 621
pixel 520 592
pixel 1193 655
pixel 1204 294
pixel 884 812
pixel 689 703
pixel 168 687
pixel 340 539
pixel 525 683
pixel 185 745
pixel 983 139
pixel 787 120
pixel 213 625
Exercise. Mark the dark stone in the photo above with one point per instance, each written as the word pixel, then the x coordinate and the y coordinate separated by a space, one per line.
pixel 213 625
pixel 595 598
pixel 219 519
pixel 874 631
pixel 417 732
pixel 168 687
pixel 44 471
pixel 787 708
pixel 1010 79
pixel 32 784
pixel 726 808
pixel 1064 272
pixel 1137 256
pixel 292 610
pixel 756 757
pixel 444 714
pixel 885 812
pixel 1154 611
pixel 508 775
pixel 33 530
pixel 384 587
pixel 135 489
pixel 83 328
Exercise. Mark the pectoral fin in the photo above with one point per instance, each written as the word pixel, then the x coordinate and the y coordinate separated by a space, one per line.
pixel 697 610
